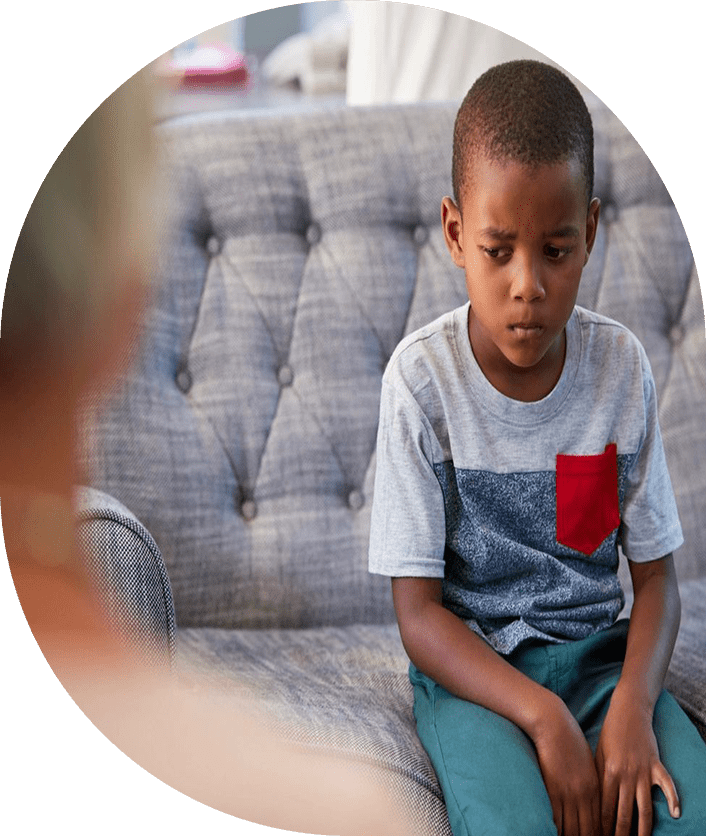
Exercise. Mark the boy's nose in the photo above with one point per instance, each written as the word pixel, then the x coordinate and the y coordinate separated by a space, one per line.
pixel 527 283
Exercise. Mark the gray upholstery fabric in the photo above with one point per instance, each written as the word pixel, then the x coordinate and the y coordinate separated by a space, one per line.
pixel 306 246
pixel 342 689
pixel 686 677
pixel 347 690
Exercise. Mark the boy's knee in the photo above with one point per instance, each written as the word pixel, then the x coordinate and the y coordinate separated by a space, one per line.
pixel 518 822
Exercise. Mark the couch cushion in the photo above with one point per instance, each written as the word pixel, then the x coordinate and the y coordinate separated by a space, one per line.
pixel 344 690
pixel 686 678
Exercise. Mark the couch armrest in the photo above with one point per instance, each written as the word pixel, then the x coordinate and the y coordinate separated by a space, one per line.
pixel 126 569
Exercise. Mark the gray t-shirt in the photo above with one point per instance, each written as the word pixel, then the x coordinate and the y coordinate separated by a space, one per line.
pixel 518 506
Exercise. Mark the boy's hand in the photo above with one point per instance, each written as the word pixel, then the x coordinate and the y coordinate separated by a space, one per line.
pixel 628 763
pixel 569 774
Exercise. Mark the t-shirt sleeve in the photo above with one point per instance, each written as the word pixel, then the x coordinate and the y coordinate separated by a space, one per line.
pixel 650 526
pixel 408 527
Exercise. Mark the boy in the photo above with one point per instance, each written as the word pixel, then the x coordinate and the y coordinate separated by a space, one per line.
pixel 518 446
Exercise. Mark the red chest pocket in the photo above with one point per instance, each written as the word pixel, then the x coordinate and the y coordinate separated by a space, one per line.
pixel 587 507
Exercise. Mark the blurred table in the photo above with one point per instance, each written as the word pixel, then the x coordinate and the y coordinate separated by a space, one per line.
pixel 175 101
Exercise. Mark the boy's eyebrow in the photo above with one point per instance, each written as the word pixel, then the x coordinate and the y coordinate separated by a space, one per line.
pixel 568 231
pixel 500 234
pixel 496 232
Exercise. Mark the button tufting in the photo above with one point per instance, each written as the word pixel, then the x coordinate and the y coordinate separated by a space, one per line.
pixel 213 245
pixel 609 213
pixel 285 376
pixel 676 333
pixel 183 380
pixel 420 235
pixel 249 510
pixel 356 500
pixel 313 233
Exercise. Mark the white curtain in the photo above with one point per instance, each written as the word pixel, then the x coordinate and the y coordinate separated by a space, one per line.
pixel 403 53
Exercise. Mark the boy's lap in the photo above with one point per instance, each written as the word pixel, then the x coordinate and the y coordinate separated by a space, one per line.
pixel 488 769
pixel 486 766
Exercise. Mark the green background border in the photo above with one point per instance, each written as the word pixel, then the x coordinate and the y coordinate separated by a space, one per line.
pixel 61 60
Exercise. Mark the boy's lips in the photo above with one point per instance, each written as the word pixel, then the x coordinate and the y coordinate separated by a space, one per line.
pixel 526 327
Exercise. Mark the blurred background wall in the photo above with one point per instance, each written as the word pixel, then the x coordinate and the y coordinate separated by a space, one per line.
pixel 359 52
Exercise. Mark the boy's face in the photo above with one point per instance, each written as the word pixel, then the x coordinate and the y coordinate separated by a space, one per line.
pixel 523 239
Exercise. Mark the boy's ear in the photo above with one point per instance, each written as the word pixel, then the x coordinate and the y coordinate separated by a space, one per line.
pixel 594 212
pixel 452 225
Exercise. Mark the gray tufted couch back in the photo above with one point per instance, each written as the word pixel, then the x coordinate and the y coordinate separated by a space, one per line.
pixel 307 245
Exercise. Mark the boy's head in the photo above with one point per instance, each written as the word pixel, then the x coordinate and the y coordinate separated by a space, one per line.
pixel 522 111
pixel 523 221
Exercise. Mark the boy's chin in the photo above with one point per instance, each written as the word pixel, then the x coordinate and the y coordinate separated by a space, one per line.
pixel 532 354
pixel 527 358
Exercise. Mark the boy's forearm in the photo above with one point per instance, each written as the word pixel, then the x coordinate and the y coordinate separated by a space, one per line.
pixel 654 623
pixel 445 649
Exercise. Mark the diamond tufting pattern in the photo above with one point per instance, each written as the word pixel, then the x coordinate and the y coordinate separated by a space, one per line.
pixel 306 246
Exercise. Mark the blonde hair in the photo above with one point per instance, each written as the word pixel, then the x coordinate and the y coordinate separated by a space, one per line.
pixel 85 235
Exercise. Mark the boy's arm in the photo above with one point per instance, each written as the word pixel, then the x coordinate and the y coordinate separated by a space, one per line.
pixel 445 649
pixel 627 756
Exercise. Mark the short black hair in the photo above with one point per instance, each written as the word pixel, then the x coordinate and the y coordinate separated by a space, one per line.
pixel 525 111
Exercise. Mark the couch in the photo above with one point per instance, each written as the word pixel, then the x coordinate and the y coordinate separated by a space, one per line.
pixel 231 470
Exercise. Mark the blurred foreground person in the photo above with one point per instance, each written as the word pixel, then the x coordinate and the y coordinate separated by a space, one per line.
pixel 77 280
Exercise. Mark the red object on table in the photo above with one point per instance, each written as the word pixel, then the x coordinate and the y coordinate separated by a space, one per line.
pixel 208 66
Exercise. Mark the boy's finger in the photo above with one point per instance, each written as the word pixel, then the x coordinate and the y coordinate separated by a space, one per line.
pixel 588 823
pixel 664 781
pixel 558 819
pixel 556 811
pixel 623 820
pixel 571 823
pixel 609 803
pixel 596 813
pixel 643 797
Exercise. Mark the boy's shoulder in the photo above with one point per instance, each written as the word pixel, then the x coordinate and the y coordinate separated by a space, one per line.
pixel 431 347
pixel 601 333
pixel 591 318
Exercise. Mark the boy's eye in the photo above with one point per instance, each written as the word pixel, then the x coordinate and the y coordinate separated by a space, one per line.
pixel 496 252
pixel 555 253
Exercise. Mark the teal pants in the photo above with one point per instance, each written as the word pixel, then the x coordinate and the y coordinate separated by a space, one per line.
pixel 487 767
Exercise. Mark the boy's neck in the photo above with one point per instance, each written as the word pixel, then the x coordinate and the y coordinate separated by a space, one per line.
pixel 518 383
